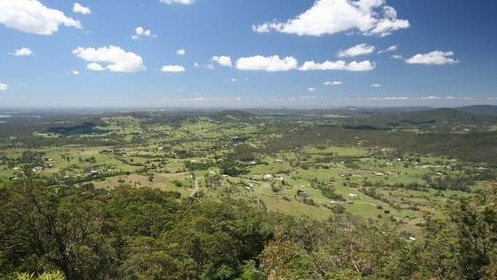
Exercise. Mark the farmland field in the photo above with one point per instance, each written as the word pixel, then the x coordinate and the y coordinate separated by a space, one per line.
pixel 294 165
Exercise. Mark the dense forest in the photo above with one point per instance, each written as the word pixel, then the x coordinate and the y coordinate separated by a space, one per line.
pixel 141 233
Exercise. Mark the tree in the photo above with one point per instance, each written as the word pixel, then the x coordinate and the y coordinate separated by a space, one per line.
pixel 462 245
pixel 342 247
pixel 475 219
pixel 151 258
pixel 41 230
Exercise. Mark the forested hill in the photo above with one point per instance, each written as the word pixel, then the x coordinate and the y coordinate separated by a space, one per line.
pixel 490 110
pixel 434 120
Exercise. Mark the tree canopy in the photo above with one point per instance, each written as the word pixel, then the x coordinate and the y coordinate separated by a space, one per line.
pixel 141 233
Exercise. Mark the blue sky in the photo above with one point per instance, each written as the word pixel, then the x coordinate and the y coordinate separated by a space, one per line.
pixel 239 53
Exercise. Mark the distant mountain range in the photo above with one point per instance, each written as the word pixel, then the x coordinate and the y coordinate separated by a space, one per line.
pixel 490 110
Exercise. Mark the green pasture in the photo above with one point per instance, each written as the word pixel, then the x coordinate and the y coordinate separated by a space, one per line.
pixel 294 208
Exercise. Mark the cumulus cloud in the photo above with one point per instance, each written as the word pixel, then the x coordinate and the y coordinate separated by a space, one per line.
pixel 184 2
pixel 32 16
pixel 375 85
pixel 22 52
pixel 266 63
pixel 275 63
pixel 172 68
pixel 80 9
pixel 95 67
pixel 356 50
pixel 181 52
pixel 355 66
pixel 333 83
pixel 222 60
pixel 311 89
pixel 389 49
pixel 370 17
pixel 3 86
pixel 142 32
pixel 433 58
pixel 75 72
pixel 110 58
pixel 388 23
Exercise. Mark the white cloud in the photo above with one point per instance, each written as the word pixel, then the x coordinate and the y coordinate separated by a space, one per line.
pixel 80 9
pixel 173 68
pixel 356 50
pixel 181 52
pixel 311 89
pixel 397 56
pixel 333 83
pixel 370 17
pixel 95 67
pixel 75 72
pixel 32 16
pixel 389 49
pixel 433 58
pixel 388 23
pixel 184 2
pixel 375 85
pixel 430 97
pixel 222 60
pixel 266 63
pixel 465 98
pixel 113 58
pixel 365 65
pixel 3 86
pixel 264 27
pixel 142 32
pixel 22 52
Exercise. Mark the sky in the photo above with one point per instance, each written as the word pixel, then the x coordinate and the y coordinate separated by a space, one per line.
pixel 240 53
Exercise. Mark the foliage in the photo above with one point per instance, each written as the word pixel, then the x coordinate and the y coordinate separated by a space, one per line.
pixel 56 275
pixel 340 248
pixel 130 233
pixel 232 167
pixel 87 127
pixel 460 247
pixel 137 233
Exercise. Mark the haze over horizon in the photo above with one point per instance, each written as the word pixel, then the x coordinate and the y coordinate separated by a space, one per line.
pixel 242 54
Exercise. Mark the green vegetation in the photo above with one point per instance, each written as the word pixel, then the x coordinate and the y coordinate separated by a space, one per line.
pixel 141 233
pixel 239 195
